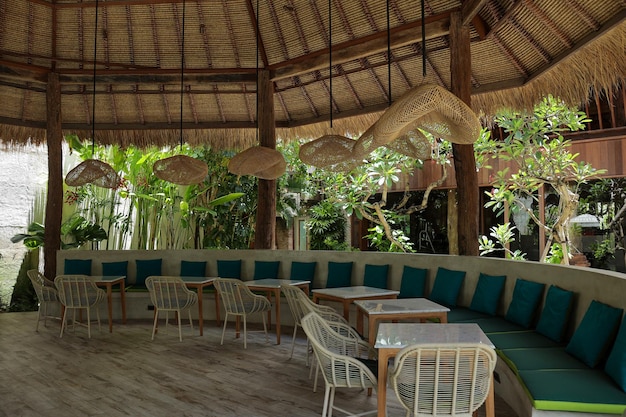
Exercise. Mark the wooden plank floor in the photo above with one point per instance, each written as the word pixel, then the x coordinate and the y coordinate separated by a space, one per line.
pixel 125 374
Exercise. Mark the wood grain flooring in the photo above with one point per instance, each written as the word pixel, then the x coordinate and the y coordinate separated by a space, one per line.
pixel 125 374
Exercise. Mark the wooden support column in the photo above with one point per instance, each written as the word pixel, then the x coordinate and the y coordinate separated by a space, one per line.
pixel 54 201
pixel 464 161
pixel 265 231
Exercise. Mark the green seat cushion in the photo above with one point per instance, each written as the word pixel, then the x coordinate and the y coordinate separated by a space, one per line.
pixel 553 320
pixel 339 274
pixel 526 297
pixel 266 269
pixel 303 271
pixel 577 390
pixel 447 286
pixel 146 268
pixel 193 269
pixel 536 359
pixel 115 269
pixel 229 268
pixel 594 333
pixel 487 294
pixel 523 339
pixel 375 276
pixel 615 365
pixel 493 324
pixel 77 267
pixel 461 314
pixel 413 282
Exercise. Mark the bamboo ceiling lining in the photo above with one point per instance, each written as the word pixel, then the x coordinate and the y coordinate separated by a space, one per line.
pixel 520 49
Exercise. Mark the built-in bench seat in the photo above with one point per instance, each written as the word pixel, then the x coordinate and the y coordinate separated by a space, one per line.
pixel 535 374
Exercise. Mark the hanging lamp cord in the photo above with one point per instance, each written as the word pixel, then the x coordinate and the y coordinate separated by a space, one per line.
pixel 182 74
pixel 423 40
pixel 93 98
pixel 389 53
pixel 330 60
pixel 257 71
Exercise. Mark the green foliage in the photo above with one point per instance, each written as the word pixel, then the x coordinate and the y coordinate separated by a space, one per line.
pixel 535 146
pixel 555 256
pixel 327 225
pixel 504 235
pixel 75 232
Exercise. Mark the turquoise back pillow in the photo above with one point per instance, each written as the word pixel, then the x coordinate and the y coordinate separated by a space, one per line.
pixel 304 271
pixel 146 268
pixel 229 269
pixel 553 320
pixel 526 297
pixel 487 293
pixel 266 269
pixel 115 269
pixel 413 282
pixel 375 276
pixel 447 286
pixel 339 274
pixel 193 269
pixel 615 365
pixel 77 267
pixel 594 333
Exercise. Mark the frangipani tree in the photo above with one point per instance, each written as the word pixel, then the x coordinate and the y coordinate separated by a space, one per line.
pixel 536 148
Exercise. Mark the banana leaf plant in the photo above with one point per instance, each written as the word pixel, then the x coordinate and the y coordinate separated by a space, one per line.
pixel 76 228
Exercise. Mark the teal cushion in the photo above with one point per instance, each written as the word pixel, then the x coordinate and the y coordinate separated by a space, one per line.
pixel 339 274
pixel 519 340
pixel 229 269
pixel 556 309
pixel 536 359
pixel 594 333
pixel 526 297
pixel 616 363
pixel 447 286
pixel 492 324
pixel 77 267
pixel 461 314
pixel 115 269
pixel 413 282
pixel 266 269
pixel 576 390
pixel 193 268
pixel 304 271
pixel 487 293
pixel 375 276
pixel 145 269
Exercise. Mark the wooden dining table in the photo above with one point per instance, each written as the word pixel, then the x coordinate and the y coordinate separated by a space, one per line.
pixel 108 282
pixel 348 295
pixel 199 284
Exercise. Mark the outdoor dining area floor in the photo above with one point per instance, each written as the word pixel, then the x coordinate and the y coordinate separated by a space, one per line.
pixel 123 373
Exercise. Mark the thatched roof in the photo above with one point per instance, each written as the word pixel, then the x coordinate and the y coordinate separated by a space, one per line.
pixel 520 50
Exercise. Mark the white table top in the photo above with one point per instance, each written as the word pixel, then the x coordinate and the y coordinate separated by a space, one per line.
pixel 400 305
pixel 197 280
pixel 107 278
pixel 400 335
pixel 355 292
pixel 274 283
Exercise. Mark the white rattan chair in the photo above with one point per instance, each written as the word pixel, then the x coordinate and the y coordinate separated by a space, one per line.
pixel 338 358
pixel 238 300
pixel 47 295
pixel 170 294
pixel 300 305
pixel 443 380
pixel 79 292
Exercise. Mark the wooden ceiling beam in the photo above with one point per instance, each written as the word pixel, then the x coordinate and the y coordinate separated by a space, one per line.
pixel 469 9
pixel 436 26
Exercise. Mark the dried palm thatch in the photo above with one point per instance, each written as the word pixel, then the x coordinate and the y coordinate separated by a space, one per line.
pixel 260 162
pixel 428 107
pixel 181 170
pixel 93 171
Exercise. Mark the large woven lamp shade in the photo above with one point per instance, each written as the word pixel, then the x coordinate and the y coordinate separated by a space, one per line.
pixel 428 107
pixel 181 169
pixel 258 161
pixel 93 171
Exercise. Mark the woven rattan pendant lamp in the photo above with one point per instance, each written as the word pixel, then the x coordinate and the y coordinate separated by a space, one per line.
pixel 181 169
pixel 93 171
pixel 258 161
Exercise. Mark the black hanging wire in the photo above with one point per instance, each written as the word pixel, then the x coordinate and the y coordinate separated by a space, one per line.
pixel 389 52
pixel 93 102
pixel 330 59
pixel 423 40
pixel 182 75
pixel 257 71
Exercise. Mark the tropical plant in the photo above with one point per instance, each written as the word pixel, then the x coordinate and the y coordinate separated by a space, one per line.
pixel 76 230
pixel 537 149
